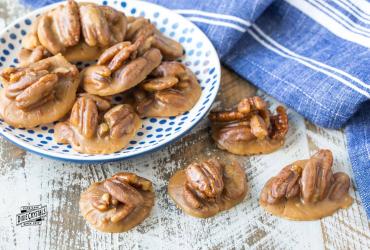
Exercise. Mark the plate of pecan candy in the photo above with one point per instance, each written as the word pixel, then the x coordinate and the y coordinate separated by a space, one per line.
pixel 101 81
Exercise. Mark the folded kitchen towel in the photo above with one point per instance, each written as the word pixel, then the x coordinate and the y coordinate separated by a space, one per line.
pixel 312 55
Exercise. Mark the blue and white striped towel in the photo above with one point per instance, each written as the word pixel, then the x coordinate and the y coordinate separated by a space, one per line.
pixel 312 55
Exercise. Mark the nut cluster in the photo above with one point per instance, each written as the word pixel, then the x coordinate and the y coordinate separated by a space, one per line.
pixel 167 85
pixel 254 113
pixel 32 87
pixel 250 125
pixel 119 68
pixel 72 25
pixel 122 195
pixel 60 30
pixel 204 183
pixel 312 182
pixel 93 117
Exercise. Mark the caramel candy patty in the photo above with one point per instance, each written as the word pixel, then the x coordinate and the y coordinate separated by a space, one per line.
pixel 207 188
pixel 117 204
pixel 307 189
pixel 40 93
pixel 170 90
pixel 250 129
pixel 95 127
pixel 79 31
pixel 119 68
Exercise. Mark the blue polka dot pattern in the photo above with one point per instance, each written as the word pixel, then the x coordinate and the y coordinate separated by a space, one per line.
pixel 200 57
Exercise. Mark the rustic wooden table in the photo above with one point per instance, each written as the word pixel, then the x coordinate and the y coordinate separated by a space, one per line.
pixel 28 179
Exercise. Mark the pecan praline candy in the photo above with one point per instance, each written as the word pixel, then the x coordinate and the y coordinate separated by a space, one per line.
pixel 206 188
pixel 80 31
pixel 307 189
pixel 249 129
pixel 170 90
pixel 117 204
pixel 119 68
pixel 95 127
pixel 39 93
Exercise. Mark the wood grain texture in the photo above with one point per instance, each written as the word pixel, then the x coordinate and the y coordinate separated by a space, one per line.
pixel 28 179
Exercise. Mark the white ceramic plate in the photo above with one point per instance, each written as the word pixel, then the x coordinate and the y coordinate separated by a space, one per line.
pixel 200 57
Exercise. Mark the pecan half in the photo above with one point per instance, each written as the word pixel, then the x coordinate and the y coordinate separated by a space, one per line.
pixel 166 76
pixel 135 24
pixel 340 186
pixel 100 77
pixel 120 120
pixel 191 197
pixel 101 103
pixel 142 31
pixel 317 176
pixel 60 28
pixel 103 202
pixel 20 80
pixel 37 94
pixel 169 48
pixel 67 23
pixel 95 27
pixel 111 52
pixel 134 180
pixel 47 37
pixel 279 124
pixel 160 83
pixel 258 127
pixel 122 212
pixel 204 181
pixel 171 69
pixel 170 96
pixel 117 55
pixel 117 23
pixel 284 186
pixel 143 101
pixel 84 116
pixel 236 132
pixel 139 67
pixel 27 56
pixel 123 192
